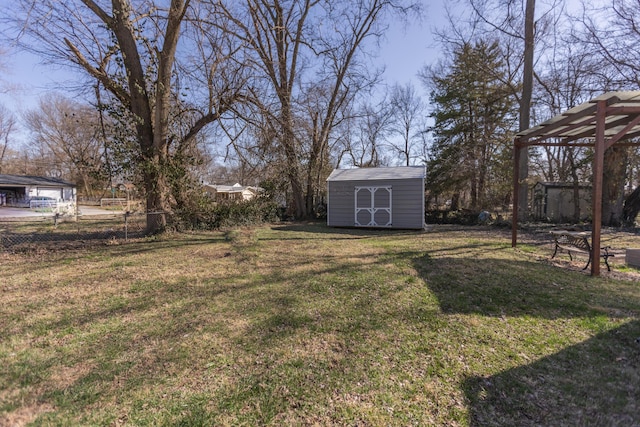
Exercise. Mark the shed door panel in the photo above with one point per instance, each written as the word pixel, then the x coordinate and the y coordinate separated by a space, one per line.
pixel 373 206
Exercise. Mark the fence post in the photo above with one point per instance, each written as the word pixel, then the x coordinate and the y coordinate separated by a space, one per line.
pixel 126 225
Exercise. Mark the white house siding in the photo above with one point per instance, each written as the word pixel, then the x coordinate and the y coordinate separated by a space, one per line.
pixel 55 193
pixel 231 192
pixel 407 199
pixel 18 189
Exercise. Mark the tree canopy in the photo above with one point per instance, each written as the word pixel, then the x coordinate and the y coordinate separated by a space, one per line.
pixel 473 126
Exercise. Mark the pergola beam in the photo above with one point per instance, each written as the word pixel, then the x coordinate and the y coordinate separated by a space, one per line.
pixel 561 122
pixel 633 123
pixel 588 133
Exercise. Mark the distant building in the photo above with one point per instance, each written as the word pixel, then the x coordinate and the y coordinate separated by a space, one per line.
pixel 554 201
pixel 20 190
pixel 231 192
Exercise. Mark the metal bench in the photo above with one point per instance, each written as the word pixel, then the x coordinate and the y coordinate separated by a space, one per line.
pixel 578 241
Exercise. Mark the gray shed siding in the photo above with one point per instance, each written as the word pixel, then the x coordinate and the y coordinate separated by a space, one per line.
pixel 407 202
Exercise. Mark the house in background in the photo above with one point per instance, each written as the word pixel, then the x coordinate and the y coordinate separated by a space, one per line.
pixel 390 197
pixel 35 191
pixel 554 201
pixel 231 192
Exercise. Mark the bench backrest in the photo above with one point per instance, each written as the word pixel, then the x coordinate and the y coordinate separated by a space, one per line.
pixel 579 242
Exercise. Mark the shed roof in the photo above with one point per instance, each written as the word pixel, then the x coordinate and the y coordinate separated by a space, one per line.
pixel 381 173
pixel 556 184
pixel 33 180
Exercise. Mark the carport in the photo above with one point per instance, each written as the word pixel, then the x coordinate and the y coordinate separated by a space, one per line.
pixel 20 188
pixel 612 118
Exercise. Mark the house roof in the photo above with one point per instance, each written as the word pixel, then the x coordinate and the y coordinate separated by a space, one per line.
pixel 33 180
pixel 370 174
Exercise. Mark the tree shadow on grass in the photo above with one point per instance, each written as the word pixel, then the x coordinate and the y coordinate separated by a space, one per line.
pixel 332 232
pixel 596 382
pixel 472 284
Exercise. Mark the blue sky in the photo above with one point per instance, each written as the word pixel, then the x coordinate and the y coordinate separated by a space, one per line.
pixel 405 51
pixel 408 48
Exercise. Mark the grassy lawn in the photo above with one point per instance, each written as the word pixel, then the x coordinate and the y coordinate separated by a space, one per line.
pixel 306 325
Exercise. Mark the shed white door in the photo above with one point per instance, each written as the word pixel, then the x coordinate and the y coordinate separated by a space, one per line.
pixel 373 206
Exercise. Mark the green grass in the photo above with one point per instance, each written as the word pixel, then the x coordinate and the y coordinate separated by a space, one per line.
pixel 307 325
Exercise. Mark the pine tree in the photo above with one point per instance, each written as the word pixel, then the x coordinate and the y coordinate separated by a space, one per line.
pixel 474 115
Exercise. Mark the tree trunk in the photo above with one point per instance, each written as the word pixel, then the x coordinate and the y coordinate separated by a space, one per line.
pixel 576 186
pixel 631 207
pixel 474 192
pixel 157 199
pixel 525 105
pixel 455 202
pixel 315 156
pixel 613 180
pixel 292 164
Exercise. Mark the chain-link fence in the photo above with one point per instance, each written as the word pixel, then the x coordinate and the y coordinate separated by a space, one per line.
pixel 56 231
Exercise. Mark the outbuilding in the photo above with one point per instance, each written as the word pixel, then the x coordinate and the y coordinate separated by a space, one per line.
pixel 556 201
pixel 25 190
pixel 384 197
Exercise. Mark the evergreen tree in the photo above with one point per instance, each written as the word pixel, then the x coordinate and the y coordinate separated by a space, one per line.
pixel 474 115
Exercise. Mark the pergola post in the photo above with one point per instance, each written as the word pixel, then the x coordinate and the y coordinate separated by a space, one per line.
pixel 598 167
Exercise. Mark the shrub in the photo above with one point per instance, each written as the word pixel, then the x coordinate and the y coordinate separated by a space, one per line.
pixel 209 215
pixel 463 217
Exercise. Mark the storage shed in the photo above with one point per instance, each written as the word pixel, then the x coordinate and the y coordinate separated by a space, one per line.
pixel 554 201
pixel 390 197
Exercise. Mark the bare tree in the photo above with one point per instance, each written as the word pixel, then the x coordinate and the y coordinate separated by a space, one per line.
pixel 374 127
pixel 7 127
pixel 407 112
pixel 67 132
pixel 314 47
pixel 131 48
pixel 609 30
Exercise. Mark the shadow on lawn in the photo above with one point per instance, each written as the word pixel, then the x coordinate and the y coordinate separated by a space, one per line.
pixel 477 284
pixel 596 382
pixel 331 232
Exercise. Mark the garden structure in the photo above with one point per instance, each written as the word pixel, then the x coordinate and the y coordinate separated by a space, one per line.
pixel 611 118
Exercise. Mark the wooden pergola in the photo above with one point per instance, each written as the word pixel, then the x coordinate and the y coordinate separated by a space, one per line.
pixel 612 118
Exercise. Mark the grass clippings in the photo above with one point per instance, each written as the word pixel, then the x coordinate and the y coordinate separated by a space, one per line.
pixel 301 324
